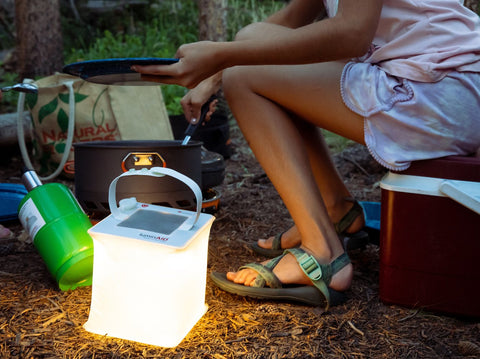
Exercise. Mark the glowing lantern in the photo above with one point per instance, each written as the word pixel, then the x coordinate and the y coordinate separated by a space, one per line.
pixel 149 268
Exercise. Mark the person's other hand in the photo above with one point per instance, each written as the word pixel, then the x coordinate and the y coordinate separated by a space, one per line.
pixel 193 101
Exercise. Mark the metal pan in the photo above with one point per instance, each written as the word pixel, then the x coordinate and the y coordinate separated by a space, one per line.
pixel 115 71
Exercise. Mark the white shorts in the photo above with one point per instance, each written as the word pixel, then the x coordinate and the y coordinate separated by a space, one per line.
pixel 407 121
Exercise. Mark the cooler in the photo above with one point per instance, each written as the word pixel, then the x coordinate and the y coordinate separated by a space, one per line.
pixel 430 236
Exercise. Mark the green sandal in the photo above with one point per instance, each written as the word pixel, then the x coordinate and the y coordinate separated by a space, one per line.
pixel 268 286
pixel 350 241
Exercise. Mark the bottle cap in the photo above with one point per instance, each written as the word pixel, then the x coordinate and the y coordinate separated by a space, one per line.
pixel 30 179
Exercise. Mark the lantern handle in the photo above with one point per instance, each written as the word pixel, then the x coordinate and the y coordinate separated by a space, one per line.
pixel 156 172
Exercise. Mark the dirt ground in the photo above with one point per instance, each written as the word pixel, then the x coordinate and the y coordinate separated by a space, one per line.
pixel 39 321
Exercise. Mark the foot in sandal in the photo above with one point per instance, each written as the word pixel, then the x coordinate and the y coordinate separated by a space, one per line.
pixel 349 229
pixel 294 276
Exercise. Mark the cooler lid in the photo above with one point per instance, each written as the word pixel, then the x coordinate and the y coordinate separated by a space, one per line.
pixel 466 193
pixel 11 195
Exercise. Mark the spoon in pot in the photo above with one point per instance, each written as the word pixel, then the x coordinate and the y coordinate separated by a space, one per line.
pixel 192 127
pixel 23 87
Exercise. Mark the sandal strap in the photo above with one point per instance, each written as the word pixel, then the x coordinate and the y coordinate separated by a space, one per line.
pixel 351 215
pixel 277 241
pixel 265 276
pixel 319 274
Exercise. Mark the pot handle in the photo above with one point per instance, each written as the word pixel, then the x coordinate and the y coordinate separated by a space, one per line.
pixel 155 172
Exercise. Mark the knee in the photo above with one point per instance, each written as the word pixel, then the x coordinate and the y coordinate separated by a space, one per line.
pixel 233 80
pixel 250 31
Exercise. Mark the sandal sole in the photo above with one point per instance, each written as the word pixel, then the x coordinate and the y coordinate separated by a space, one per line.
pixel 308 295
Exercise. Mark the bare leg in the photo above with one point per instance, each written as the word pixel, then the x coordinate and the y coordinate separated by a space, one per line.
pixel 263 99
pixel 329 182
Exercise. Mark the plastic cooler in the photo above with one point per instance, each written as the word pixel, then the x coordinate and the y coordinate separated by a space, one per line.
pixel 430 236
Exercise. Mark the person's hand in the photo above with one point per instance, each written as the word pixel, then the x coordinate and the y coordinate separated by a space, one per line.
pixel 193 101
pixel 197 61
pixel 192 107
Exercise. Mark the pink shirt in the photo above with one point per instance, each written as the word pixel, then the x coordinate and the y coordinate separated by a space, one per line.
pixel 424 40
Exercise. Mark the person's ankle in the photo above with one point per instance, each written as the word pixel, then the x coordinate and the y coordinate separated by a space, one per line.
pixel 342 209
pixel 342 280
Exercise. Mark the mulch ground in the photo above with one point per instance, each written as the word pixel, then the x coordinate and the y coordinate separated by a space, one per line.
pixel 39 321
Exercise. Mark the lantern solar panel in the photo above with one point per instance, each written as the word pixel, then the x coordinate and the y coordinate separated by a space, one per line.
pixel 154 221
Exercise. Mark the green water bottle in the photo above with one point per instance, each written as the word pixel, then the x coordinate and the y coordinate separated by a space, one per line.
pixel 58 226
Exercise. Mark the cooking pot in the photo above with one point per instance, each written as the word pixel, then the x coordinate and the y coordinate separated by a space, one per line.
pixel 97 163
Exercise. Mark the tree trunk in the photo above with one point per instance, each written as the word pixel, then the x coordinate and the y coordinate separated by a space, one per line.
pixel 39 37
pixel 212 20
pixel 213 26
